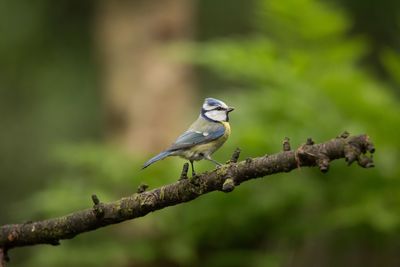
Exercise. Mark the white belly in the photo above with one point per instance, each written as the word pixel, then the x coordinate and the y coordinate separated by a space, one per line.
pixel 199 152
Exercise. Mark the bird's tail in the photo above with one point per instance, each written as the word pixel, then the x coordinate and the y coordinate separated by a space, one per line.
pixel 160 156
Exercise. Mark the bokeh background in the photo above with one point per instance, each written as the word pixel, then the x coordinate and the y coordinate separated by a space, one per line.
pixel 89 90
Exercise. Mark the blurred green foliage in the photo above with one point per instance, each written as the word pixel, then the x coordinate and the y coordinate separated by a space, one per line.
pixel 298 75
pixel 379 22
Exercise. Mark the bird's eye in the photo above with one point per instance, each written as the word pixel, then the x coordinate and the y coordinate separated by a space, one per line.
pixel 219 108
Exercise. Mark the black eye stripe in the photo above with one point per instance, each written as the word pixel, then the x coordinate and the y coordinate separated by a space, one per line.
pixel 217 108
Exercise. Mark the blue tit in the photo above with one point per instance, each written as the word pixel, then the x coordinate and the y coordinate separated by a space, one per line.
pixel 208 133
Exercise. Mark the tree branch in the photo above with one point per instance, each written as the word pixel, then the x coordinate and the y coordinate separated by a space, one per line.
pixel 225 178
pixel 3 257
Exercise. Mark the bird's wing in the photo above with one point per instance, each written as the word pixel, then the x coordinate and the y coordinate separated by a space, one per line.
pixel 200 132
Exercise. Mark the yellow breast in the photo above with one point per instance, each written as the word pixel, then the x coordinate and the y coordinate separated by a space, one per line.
pixel 227 130
pixel 198 152
pixel 214 145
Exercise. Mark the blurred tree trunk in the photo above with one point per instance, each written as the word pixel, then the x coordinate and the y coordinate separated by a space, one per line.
pixel 147 94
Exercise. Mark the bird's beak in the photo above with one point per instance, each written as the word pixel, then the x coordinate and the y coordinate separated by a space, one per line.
pixel 230 109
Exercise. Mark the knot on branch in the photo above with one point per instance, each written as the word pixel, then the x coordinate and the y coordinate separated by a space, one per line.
pixel 12 236
pixel 148 199
pixel 313 155
pixel 344 135
pixel 97 207
pixel 323 163
pixel 308 156
pixel 356 148
pixel 228 185
pixel 249 161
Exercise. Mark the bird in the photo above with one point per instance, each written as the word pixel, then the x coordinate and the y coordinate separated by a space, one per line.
pixel 207 134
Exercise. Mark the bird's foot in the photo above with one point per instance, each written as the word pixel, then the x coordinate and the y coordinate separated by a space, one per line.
pixel 214 161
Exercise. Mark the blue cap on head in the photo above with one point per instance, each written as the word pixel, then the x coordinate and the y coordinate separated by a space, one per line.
pixel 212 102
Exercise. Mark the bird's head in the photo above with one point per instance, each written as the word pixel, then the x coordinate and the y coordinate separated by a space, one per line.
pixel 215 110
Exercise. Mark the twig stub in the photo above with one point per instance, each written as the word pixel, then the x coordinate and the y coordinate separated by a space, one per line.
pixel 184 172
pixel 235 156
pixel 97 209
pixel 142 188
pixel 95 199
pixel 310 142
pixel 286 144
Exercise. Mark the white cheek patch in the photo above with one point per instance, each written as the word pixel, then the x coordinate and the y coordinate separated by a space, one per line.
pixel 216 115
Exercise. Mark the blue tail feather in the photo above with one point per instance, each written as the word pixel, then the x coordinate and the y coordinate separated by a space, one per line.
pixel 160 156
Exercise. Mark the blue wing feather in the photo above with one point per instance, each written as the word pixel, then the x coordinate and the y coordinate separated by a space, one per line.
pixel 200 132
pixel 160 156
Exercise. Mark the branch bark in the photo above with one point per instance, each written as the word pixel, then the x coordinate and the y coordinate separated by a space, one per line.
pixel 225 178
pixel 3 257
